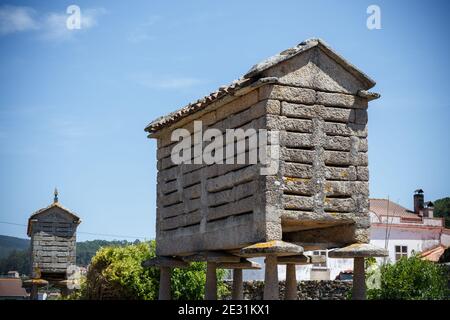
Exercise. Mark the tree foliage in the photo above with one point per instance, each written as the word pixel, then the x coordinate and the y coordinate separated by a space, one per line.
pixel 87 249
pixel 442 209
pixel 16 260
pixel 116 273
pixel 411 279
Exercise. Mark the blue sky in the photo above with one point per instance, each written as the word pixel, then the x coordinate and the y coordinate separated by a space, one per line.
pixel 74 103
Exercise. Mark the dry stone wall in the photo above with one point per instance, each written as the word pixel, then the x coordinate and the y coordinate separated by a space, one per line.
pixel 212 206
pixel 307 290
pixel 324 164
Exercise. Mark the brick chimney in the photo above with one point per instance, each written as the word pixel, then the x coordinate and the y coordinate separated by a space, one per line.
pixel 428 211
pixel 418 202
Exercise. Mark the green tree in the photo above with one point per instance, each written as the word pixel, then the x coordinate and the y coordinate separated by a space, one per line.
pixel 442 209
pixel 116 273
pixel 411 279
pixel 87 249
pixel 17 260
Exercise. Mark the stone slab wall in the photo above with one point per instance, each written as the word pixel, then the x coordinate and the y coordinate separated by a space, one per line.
pixel 215 206
pixel 53 243
pixel 307 290
pixel 324 165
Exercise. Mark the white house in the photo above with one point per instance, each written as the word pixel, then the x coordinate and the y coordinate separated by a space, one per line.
pixel 402 231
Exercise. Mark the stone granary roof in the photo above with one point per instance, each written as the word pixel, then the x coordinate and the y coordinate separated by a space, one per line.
pixel 43 210
pixel 254 78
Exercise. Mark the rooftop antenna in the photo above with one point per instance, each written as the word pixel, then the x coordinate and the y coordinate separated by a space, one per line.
pixel 386 241
pixel 55 199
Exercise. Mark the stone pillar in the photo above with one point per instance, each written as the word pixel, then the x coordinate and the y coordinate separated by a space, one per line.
pixel 65 291
pixel 271 290
pixel 164 283
pixel 359 279
pixel 291 282
pixel 34 292
pixel 211 281
pixel 238 289
pixel 358 251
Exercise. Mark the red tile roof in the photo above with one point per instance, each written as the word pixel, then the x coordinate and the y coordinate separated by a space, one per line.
pixel 12 287
pixel 433 254
pixel 384 207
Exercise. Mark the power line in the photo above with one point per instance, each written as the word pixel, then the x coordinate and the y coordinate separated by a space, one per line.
pixel 113 235
pixel 15 224
pixel 81 232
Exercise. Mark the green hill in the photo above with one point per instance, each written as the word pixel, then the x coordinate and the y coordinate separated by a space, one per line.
pixel 8 244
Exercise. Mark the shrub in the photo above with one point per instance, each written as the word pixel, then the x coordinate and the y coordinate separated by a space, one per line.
pixel 411 279
pixel 116 273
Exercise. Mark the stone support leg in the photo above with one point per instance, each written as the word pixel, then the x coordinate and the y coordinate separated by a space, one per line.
pixel 271 291
pixel 211 281
pixel 238 289
pixel 34 292
pixel 291 282
pixel 359 280
pixel 164 283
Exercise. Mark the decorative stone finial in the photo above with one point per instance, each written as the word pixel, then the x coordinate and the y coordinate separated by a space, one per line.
pixel 55 199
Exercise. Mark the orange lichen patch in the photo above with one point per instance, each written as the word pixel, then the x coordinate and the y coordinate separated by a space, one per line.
pixel 344 174
pixel 354 246
pixel 276 247
pixel 293 179
pixel 328 188
pixel 37 282
pixel 363 250
pixel 269 244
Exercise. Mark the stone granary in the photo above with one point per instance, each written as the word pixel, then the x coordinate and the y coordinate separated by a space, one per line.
pixel 309 188
pixel 53 244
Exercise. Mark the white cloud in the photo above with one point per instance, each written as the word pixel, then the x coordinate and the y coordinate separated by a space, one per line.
pixel 55 28
pixel 166 82
pixel 144 31
pixel 15 19
pixel 49 26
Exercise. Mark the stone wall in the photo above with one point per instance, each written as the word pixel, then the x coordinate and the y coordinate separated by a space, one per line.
pixel 217 206
pixel 307 290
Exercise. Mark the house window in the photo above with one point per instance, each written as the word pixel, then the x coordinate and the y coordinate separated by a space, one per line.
pixel 320 253
pixel 400 252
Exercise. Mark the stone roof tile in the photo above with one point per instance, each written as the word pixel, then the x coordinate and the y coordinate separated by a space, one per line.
pixel 253 75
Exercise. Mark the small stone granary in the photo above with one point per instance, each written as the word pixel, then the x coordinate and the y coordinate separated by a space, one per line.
pixel 53 245
pixel 311 105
